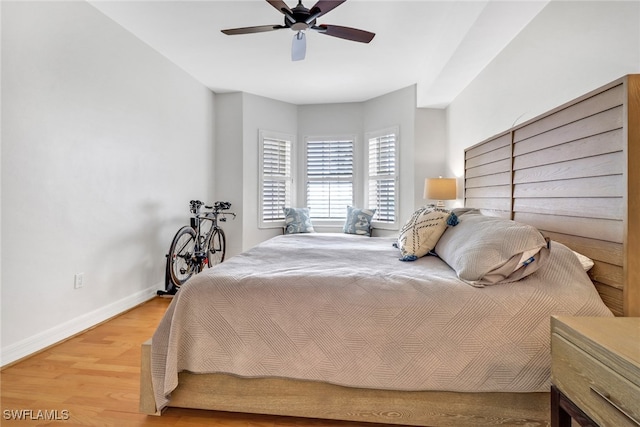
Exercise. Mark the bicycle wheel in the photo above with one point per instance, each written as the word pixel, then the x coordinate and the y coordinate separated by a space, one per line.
pixel 182 264
pixel 217 244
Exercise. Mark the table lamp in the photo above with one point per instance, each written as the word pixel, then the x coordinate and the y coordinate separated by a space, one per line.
pixel 440 189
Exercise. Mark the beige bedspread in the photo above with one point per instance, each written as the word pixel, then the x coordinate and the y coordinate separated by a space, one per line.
pixel 343 309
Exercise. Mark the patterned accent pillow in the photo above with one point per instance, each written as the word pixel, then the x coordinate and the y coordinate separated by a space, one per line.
pixel 297 220
pixel 421 232
pixel 358 221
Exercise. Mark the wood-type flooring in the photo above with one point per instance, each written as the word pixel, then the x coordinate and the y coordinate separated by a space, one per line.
pixel 93 379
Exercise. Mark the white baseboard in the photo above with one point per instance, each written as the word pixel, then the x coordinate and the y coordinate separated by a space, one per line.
pixel 42 340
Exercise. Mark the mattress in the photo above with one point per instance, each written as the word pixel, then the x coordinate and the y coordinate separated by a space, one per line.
pixel 343 309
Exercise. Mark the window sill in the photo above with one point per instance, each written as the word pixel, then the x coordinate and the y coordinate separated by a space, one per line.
pixel 385 226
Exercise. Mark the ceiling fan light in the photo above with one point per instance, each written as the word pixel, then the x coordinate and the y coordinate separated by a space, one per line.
pixel 298 46
pixel 299 26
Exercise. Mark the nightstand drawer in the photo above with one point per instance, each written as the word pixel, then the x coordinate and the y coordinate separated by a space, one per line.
pixel 608 398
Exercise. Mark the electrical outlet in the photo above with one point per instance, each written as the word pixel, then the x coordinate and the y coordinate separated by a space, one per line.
pixel 78 280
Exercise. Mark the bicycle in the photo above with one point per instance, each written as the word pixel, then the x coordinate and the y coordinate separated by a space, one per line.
pixel 196 246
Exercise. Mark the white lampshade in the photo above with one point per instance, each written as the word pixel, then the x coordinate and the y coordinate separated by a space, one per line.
pixel 440 189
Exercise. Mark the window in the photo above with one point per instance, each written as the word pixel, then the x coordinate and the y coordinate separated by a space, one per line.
pixel 382 180
pixel 329 177
pixel 275 177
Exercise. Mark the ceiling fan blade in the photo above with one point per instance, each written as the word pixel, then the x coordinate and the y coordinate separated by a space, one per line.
pixel 281 6
pixel 347 33
pixel 251 30
pixel 298 47
pixel 324 6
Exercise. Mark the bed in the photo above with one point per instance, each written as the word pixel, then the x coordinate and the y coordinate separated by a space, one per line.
pixel 510 176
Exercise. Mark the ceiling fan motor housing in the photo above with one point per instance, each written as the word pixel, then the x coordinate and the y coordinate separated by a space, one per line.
pixel 300 18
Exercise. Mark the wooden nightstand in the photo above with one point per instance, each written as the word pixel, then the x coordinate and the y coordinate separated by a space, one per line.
pixel 595 371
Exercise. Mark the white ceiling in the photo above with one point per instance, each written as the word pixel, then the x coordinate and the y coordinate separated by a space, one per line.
pixel 438 45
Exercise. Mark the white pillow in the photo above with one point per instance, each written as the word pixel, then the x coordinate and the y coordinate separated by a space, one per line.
pixel 486 250
pixel 587 263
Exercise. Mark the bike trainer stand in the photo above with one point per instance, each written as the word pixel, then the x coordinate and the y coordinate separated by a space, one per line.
pixel 169 290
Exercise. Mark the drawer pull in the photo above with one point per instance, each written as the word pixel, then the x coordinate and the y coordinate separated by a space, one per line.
pixel 604 395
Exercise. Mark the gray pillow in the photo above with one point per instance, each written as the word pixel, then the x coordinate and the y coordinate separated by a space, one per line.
pixel 358 221
pixel 486 250
pixel 297 220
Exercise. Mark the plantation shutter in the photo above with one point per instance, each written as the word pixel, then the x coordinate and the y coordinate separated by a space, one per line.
pixel 382 177
pixel 329 177
pixel 276 178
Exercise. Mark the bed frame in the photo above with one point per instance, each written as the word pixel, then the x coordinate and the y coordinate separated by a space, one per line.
pixel 569 172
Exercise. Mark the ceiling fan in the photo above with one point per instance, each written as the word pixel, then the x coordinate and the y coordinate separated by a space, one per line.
pixel 300 19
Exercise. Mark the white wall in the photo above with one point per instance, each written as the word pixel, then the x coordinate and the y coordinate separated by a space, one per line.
pixel 104 142
pixel 569 49
pixel 430 150
pixel 228 180
pixel 239 118
pixel 398 109
pixel 260 114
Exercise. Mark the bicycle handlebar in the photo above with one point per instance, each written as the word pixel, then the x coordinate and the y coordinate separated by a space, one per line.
pixel 195 205
pixel 221 206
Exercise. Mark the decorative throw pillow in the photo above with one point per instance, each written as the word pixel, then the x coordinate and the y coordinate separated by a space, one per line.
pixel 486 250
pixel 358 221
pixel 297 220
pixel 421 232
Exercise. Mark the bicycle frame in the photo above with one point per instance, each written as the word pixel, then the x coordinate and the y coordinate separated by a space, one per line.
pixel 200 249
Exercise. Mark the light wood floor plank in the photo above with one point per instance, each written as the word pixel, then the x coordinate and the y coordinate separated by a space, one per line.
pixel 95 376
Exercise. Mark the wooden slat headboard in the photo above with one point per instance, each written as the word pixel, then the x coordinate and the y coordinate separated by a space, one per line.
pixel 574 173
